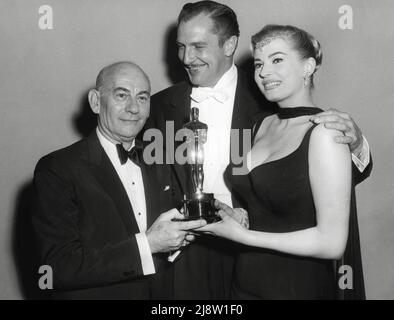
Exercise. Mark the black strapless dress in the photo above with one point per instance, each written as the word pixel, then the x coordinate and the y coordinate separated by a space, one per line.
pixel 278 198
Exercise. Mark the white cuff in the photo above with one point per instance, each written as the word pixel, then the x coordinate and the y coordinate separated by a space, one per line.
pixel 173 255
pixel 148 267
pixel 362 159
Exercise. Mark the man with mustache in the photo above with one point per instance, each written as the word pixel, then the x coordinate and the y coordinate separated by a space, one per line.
pixel 207 38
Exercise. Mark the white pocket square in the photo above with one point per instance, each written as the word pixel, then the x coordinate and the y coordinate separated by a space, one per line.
pixel 166 188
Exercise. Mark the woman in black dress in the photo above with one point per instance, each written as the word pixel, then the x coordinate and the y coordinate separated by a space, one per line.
pixel 298 190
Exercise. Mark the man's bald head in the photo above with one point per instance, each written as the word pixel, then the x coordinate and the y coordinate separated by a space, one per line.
pixel 121 100
pixel 109 72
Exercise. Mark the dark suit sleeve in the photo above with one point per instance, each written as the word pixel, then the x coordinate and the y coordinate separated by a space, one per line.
pixel 57 221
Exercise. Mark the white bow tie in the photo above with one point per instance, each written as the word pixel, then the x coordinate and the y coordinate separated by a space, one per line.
pixel 201 94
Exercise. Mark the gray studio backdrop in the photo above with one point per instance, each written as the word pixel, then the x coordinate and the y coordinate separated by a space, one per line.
pixel 49 62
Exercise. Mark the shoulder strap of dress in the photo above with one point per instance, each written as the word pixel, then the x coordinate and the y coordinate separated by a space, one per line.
pixel 307 135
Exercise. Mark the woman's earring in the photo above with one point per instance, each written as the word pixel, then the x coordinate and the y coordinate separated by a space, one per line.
pixel 306 79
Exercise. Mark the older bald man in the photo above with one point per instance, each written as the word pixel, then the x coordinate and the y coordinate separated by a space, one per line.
pixel 97 209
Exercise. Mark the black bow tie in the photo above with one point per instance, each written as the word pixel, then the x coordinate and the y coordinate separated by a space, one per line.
pixel 134 154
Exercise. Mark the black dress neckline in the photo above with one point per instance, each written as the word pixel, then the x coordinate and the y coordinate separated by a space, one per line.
pixel 293 153
pixel 288 113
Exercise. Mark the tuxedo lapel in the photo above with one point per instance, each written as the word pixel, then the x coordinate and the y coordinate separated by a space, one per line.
pixel 151 189
pixel 241 117
pixel 181 101
pixel 180 110
pixel 104 172
pixel 248 109
pixel 242 101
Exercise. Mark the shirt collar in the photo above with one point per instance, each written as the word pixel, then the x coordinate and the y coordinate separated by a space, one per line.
pixel 226 78
pixel 223 89
pixel 110 146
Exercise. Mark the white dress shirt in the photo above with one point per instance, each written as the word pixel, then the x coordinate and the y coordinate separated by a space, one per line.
pixel 218 116
pixel 131 178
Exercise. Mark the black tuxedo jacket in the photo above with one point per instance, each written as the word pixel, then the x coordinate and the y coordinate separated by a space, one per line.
pixel 86 227
pixel 204 270
pixel 173 104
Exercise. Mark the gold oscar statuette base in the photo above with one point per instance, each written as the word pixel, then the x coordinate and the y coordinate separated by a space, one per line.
pixel 200 206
